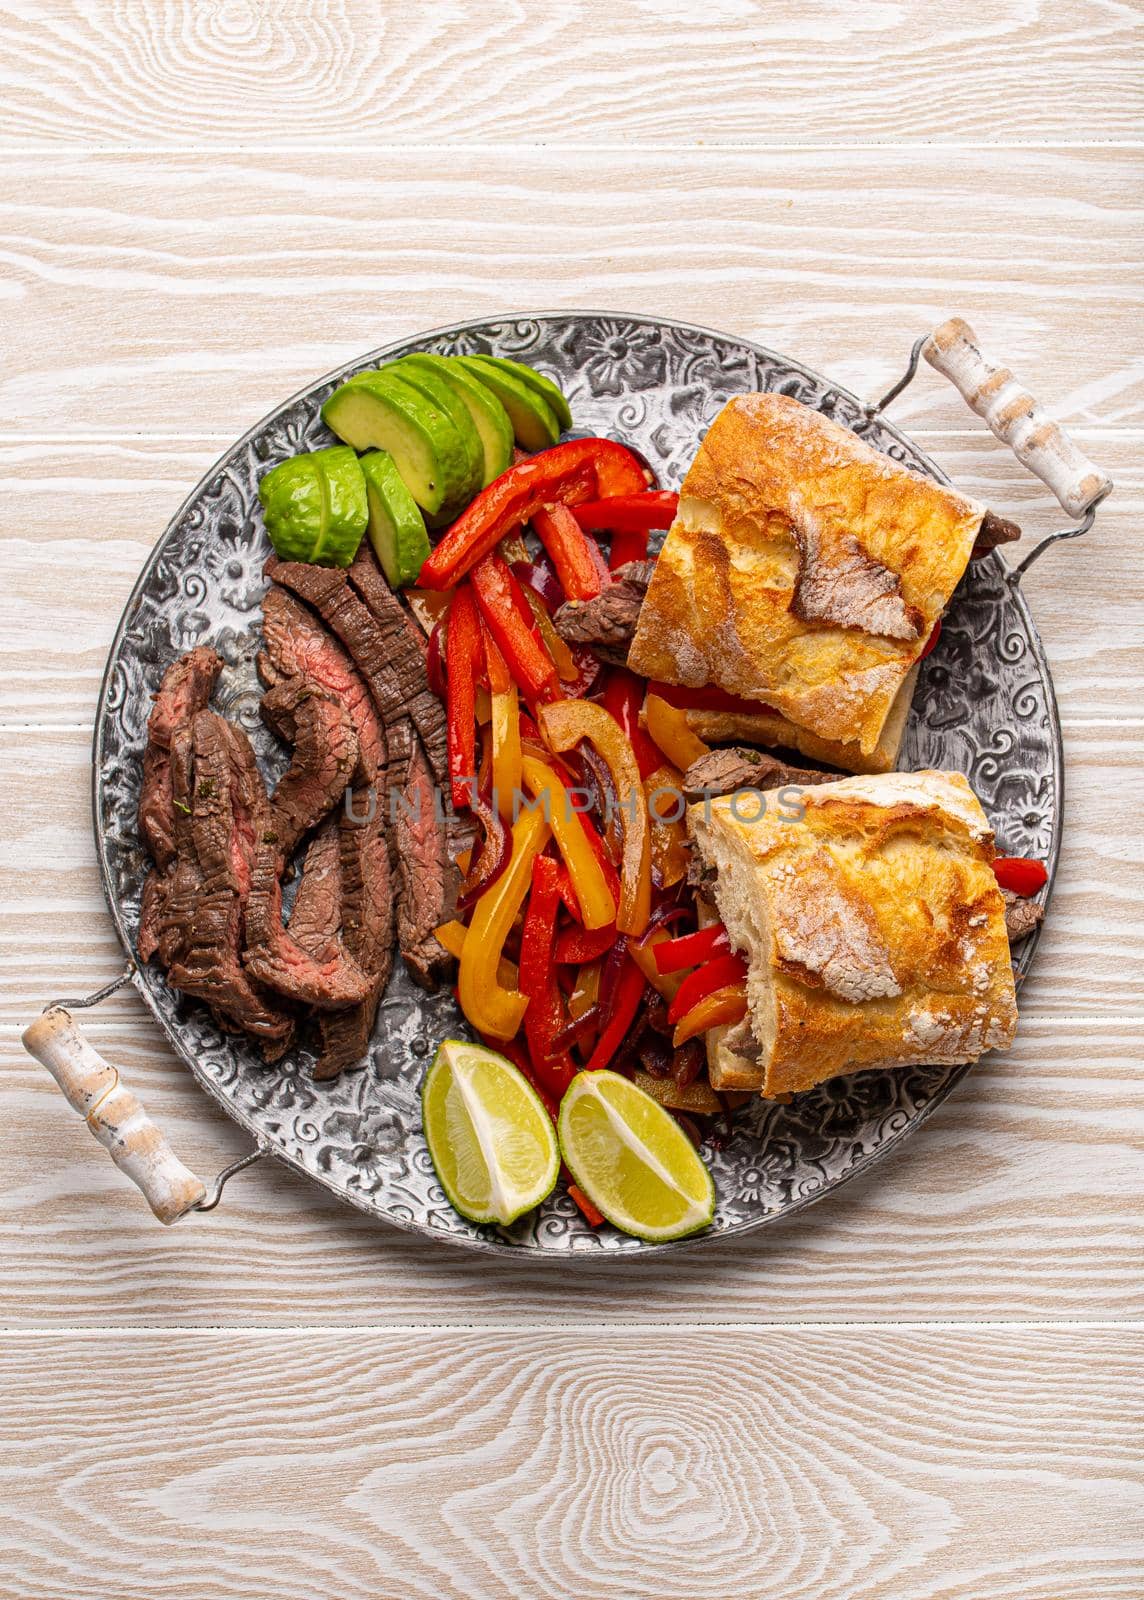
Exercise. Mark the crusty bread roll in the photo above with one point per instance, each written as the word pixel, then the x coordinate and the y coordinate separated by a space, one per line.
pixel 804 570
pixel 873 928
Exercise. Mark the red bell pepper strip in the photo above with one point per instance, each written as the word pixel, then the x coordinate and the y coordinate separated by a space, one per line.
pixel 1020 874
pixel 575 946
pixel 629 993
pixel 676 955
pixel 579 565
pixel 464 658
pixel 708 698
pixel 504 608
pixel 627 547
pixel 722 973
pixel 629 513
pixel 544 1018
pixel 568 473
pixel 623 697
pixel 931 642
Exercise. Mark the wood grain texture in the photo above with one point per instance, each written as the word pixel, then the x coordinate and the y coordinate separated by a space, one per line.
pixel 78 519
pixel 56 937
pixel 575 1465
pixel 185 292
pixel 1019 1198
pixel 346 73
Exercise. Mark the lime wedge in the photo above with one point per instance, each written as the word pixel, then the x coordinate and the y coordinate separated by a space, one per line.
pixel 492 1142
pixel 632 1159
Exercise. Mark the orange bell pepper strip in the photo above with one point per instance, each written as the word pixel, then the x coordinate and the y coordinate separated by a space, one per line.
pixel 490 1008
pixel 725 1005
pixel 597 906
pixel 563 725
pixel 563 660
pixel 643 954
pixel 667 725
pixel 670 856
pixel 579 565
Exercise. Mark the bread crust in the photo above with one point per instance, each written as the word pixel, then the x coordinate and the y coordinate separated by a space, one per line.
pixel 874 926
pixel 804 570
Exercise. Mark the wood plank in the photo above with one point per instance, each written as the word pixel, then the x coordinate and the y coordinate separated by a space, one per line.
pixel 1019 1198
pixel 970 1464
pixel 341 73
pixel 187 292
pixel 81 517
pixel 56 937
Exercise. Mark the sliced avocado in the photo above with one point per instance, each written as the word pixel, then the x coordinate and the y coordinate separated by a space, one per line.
pixel 443 397
pixel 376 411
pixel 489 417
pixel 293 495
pixel 540 385
pixel 315 507
pixel 346 507
pixel 396 527
pixel 533 419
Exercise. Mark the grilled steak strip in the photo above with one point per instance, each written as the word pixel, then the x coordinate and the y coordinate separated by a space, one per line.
pixel 297 646
pixel 724 771
pixel 327 589
pixel 204 910
pixel 407 651
pixel 316 917
pixel 270 955
pixel 607 624
pixel 1022 915
pixel 185 690
pixel 367 932
pixel 429 879
pixel 325 758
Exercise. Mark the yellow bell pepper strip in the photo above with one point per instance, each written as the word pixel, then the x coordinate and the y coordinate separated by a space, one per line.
pixel 670 856
pixel 452 936
pixel 504 713
pixel 489 1007
pixel 597 906
pixel 724 1005
pixel 667 725
pixel 563 725
pixel 563 660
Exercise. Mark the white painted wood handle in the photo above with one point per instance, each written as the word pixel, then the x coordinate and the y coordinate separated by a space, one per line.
pixel 93 1087
pixel 1011 412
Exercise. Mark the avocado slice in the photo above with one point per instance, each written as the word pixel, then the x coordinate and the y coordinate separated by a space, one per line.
pixel 315 506
pixel 533 419
pixel 540 385
pixel 396 527
pixel 442 396
pixel 377 411
pixel 488 415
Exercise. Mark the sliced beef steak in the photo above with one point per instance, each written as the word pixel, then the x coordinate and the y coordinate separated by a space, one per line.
pixel 407 648
pixel 428 875
pixel 607 624
pixel 1022 915
pixel 298 646
pixel 184 691
pixel 204 910
pixel 328 590
pixel 325 758
pixel 367 933
pixel 725 771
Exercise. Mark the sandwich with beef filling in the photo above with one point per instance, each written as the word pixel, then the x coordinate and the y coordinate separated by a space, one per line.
pixel 872 925
pixel 800 584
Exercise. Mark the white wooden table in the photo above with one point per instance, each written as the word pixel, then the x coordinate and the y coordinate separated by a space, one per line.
pixel 930 1385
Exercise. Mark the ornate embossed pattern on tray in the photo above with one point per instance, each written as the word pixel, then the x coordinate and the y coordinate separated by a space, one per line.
pixel 984 706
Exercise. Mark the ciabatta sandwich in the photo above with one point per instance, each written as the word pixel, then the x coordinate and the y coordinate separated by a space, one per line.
pixel 872 926
pixel 804 571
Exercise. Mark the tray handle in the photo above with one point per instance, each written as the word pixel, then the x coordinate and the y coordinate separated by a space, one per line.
pixel 93 1087
pixel 1011 412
